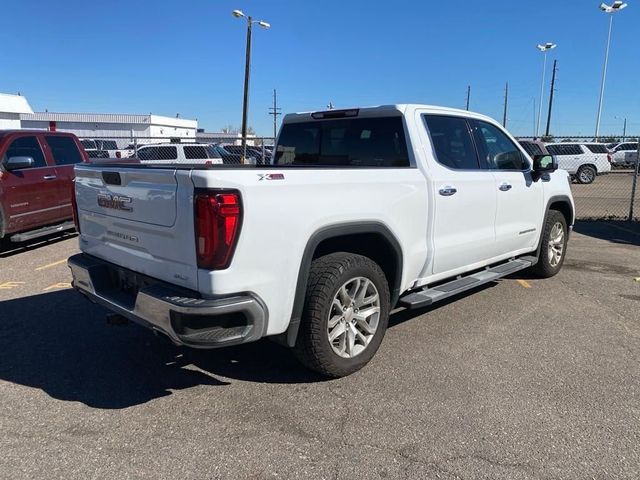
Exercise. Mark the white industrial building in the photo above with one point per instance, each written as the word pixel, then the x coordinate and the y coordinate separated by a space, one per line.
pixel 11 107
pixel 121 127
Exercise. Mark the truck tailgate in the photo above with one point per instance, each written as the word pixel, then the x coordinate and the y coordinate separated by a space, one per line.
pixel 131 217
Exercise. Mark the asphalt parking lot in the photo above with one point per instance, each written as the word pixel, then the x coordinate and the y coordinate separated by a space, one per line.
pixel 521 379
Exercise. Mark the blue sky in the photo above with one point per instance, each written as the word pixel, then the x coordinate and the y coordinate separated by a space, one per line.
pixel 165 56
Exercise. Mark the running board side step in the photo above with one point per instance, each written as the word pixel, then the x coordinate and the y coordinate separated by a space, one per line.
pixel 427 296
pixel 41 232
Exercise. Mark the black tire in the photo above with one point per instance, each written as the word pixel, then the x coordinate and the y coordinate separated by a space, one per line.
pixel 586 174
pixel 544 267
pixel 328 274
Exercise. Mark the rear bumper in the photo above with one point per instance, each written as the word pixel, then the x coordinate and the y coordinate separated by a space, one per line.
pixel 178 313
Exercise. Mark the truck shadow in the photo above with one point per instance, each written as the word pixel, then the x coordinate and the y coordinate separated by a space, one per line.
pixel 58 342
pixel 615 231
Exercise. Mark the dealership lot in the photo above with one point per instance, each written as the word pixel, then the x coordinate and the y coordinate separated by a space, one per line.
pixel 521 379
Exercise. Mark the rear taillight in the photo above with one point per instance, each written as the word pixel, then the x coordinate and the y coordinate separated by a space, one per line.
pixel 609 157
pixel 217 224
pixel 74 206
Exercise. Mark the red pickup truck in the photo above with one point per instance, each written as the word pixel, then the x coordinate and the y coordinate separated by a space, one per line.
pixel 36 177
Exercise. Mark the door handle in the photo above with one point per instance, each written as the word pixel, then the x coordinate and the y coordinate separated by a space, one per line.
pixel 447 191
pixel 49 177
pixel 504 187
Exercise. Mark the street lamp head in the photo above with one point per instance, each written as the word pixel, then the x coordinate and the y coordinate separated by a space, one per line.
pixel 237 13
pixel 617 5
pixel 547 46
pixel 264 24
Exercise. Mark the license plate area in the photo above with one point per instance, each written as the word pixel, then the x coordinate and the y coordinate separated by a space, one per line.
pixel 121 286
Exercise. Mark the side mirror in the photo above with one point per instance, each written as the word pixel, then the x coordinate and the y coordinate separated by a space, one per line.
pixel 18 163
pixel 544 163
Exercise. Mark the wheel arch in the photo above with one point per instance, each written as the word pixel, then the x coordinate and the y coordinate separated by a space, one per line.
pixel 371 239
pixel 562 204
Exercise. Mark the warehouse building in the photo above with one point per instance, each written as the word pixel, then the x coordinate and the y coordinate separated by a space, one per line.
pixel 11 107
pixel 123 128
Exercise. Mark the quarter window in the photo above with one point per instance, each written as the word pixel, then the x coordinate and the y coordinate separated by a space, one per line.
pixel 27 147
pixel 64 150
pixel 452 142
pixel 497 149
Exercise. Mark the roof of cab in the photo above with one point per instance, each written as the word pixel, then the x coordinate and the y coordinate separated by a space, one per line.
pixel 387 110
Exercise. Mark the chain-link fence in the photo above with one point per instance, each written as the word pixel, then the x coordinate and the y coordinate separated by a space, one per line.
pixel 604 176
pixel 207 149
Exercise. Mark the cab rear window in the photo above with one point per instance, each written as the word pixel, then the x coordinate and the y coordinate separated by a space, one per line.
pixel 349 142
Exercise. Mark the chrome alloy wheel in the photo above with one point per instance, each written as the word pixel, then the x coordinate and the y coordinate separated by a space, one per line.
pixel 556 244
pixel 586 175
pixel 353 317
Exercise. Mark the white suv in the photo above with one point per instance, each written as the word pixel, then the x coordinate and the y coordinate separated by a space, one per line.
pixel 178 153
pixel 624 154
pixel 583 161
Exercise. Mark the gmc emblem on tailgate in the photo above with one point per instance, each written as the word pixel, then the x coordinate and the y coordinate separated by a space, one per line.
pixel 117 202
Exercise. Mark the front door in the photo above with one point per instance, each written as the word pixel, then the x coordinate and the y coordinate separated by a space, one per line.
pixel 520 200
pixel 31 197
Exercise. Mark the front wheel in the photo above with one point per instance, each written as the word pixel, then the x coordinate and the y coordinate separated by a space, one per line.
pixel 345 315
pixel 553 247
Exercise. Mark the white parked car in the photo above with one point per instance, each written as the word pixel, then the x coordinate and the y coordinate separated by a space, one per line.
pixel 583 161
pixel 178 153
pixel 624 154
pixel 361 210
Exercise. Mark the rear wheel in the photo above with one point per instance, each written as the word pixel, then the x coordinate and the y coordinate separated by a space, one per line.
pixel 345 315
pixel 553 247
pixel 586 174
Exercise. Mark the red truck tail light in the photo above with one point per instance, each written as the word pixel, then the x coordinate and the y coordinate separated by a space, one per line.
pixel 217 224
pixel 74 206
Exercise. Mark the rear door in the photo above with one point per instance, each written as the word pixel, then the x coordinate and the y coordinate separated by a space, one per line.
pixel 520 200
pixel 65 153
pixel 464 197
pixel 569 156
pixel 31 198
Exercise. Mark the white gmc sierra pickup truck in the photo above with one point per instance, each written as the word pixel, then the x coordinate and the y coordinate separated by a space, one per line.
pixel 360 211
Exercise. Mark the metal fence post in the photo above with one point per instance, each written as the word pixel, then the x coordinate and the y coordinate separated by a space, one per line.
pixel 635 183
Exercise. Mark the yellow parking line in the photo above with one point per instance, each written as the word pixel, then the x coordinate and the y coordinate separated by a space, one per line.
pixel 10 285
pixel 57 286
pixel 51 264
pixel 524 283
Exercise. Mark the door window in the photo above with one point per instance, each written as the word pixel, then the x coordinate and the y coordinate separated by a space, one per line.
pixel 27 147
pixel 195 152
pixel 497 149
pixel 452 142
pixel 64 150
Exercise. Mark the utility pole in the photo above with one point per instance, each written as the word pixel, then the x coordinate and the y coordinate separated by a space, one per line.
pixel 506 100
pixel 468 95
pixel 275 111
pixel 624 130
pixel 553 83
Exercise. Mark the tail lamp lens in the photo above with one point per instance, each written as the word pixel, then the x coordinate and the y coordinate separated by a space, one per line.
pixel 217 224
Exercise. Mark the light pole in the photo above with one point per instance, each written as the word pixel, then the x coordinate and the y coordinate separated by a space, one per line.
pixel 247 69
pixel 544 49
pixel 610 9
